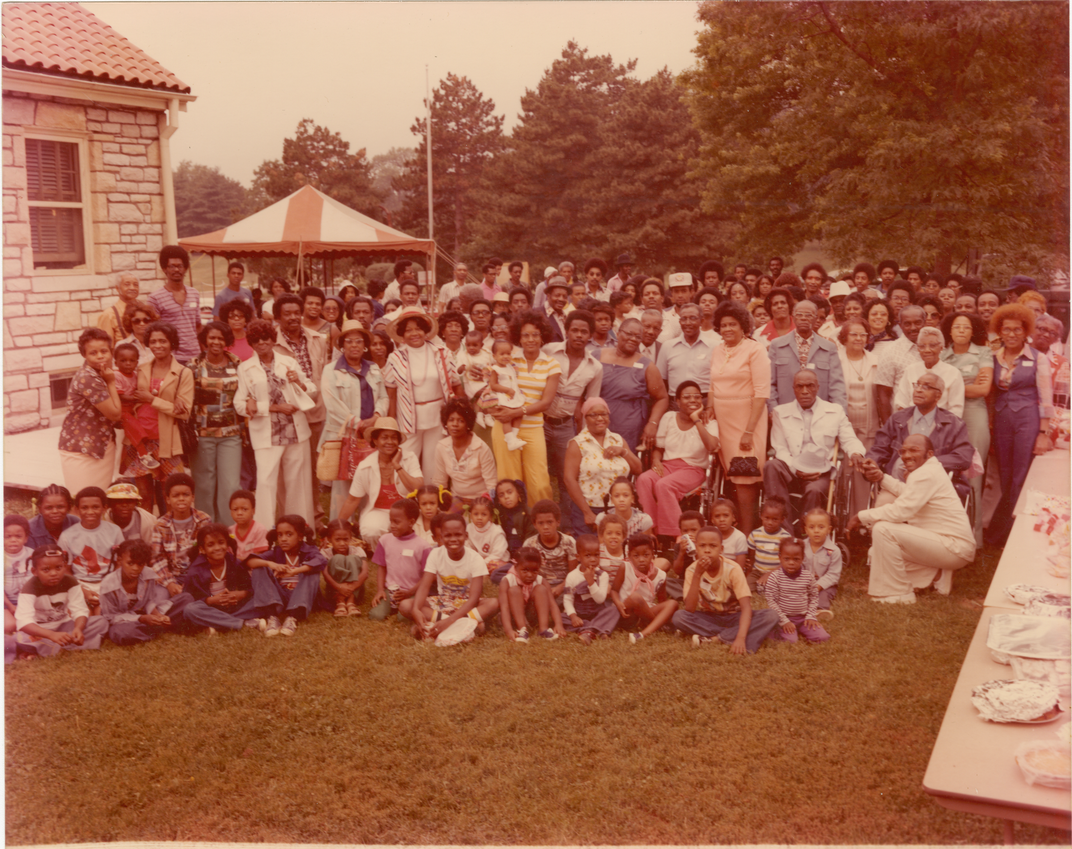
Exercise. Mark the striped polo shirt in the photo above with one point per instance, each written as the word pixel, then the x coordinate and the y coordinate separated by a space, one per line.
pixel 532 382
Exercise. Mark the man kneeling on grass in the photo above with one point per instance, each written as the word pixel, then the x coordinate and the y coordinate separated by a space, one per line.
pixel 718 602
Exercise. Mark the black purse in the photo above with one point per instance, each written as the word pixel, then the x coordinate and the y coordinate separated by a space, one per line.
pixel 744 467
pixel 188 435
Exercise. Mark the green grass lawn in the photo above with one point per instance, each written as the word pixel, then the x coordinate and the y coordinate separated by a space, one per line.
pixel 350 732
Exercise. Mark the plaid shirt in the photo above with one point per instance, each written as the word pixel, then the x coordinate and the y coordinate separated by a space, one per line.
pixel 171 547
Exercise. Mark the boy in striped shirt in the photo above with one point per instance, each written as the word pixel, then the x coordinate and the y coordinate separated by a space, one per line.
pixel 792 593
pixel 763 542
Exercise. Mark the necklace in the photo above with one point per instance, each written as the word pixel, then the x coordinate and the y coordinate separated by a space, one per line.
pixel 731 352
pixel 292 561
pixel 859 372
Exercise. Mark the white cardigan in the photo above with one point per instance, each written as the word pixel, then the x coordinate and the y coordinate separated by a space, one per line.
pixel 367 477
pixel 252 382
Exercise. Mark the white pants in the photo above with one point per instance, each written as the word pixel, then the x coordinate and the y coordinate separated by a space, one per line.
pixel 904 557
pixel 297 490
pixel 423 445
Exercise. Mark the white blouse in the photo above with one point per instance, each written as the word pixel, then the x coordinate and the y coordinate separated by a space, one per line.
pixel 683 445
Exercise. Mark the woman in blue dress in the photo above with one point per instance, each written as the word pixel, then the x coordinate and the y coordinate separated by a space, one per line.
pixel 629 382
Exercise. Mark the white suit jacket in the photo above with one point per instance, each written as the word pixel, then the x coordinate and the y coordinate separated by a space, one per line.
pixel 252 382
pixel 829 422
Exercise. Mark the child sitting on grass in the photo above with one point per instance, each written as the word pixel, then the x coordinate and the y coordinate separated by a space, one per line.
pixel 287 577
pixel 430 501
pixel 523 590
pixel 346 571
pixel 791 593
pixel 250 536
pixel 586 598
pixel 510 499
pixel 558 551
pixel 823 558
pixel 623 499
pixel 718 601
pixel 734 543
pixel 17 556
pixel 90 544
pixel 176 532
pixel 763 542
pixel 689 523
pixel 220 586
pixel 51 614
pixel 400 558
pixel 136 606
pixel 53 516
pixel 612 549
pixel 127 514
pixel 485 537
pixel 458 573
pixel 643 593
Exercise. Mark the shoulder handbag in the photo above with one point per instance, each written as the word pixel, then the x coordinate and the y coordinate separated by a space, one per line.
pixel 188 427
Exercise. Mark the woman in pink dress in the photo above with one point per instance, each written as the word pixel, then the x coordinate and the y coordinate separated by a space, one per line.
pixel 740 387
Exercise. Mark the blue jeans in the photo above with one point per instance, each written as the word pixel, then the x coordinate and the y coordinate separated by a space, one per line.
pixel 558 437
pixel 272 599
pixel 217 472
pixel 725 625
pixel 1014 439
pixel 204 615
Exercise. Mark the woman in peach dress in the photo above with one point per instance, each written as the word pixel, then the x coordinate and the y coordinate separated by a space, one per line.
pixel 740 387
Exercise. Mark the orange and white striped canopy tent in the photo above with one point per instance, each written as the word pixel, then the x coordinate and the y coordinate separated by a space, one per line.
pixel 307 223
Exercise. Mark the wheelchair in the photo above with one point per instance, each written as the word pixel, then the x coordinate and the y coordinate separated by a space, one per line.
pixel 838 499
pixel 703 497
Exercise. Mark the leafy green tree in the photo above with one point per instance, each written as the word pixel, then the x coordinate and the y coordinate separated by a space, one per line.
pixel 205 199
pixel 386 169
pixel 529 200
pixel 598 165
pixel 909 129
pixel 320 158
pixel 466 135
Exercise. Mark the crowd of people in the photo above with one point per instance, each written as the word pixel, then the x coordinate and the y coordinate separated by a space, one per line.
pixel 548 437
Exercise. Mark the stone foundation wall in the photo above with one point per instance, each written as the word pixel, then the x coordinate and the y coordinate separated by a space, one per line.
pixel 45 310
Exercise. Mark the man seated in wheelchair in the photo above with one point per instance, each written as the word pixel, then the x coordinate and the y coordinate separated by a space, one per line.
pixel 804 433
pixel 946 432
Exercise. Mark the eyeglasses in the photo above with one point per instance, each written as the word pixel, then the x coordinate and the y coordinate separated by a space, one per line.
pixel 1012 331
pixel 141 321
pixel 598 415
pixel 930 386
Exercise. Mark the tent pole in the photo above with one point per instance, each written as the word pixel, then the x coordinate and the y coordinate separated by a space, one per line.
pixel 212 260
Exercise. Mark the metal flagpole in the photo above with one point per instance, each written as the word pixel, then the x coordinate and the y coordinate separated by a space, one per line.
pixel 431 225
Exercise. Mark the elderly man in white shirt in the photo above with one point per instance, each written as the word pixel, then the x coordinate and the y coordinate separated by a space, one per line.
pixel 930 344
pixel 920 537
pixel 802 436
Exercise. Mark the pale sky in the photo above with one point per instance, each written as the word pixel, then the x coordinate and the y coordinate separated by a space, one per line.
pixel 358 68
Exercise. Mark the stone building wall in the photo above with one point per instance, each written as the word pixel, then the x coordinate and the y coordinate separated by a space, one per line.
pixel 44 311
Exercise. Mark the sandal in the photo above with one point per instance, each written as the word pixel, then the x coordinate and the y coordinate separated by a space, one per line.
pixel 352 609
pixel 340 608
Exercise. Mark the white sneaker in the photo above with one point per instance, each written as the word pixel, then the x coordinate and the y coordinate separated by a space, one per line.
pixel 290 625
pixel 825 615
pixel 260 624
pixel 514 442
pixel 944 583
pixel 271 628
pixel 907 598
pixel 148 461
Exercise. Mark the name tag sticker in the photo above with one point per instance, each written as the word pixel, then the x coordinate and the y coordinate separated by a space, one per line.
pixel 407 552
pixel 811 366
pixel 639 365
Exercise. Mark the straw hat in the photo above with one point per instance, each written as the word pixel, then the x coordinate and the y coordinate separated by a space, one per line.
pixel 349 326
pixel 122 492
pixel 406 313
pixel 381 424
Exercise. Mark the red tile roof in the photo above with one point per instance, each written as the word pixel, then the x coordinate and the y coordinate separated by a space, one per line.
pixel 67 39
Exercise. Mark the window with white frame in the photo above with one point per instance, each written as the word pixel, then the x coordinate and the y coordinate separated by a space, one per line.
pixel 57 202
